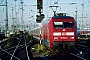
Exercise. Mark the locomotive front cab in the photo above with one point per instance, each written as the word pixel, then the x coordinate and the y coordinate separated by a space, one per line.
pixel 64 31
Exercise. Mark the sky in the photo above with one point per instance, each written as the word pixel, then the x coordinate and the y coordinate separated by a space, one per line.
pixel 30 11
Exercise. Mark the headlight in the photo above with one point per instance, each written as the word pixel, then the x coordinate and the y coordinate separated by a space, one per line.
pixel 71 37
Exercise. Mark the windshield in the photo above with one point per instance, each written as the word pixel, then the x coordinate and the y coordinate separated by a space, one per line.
pixel 63 25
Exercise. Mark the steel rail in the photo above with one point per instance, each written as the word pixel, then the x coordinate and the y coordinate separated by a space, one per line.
pixel 9 53
pixel 15 49
pixel 26 49
pixel 78 56
pixel 21 47
pixel 82 46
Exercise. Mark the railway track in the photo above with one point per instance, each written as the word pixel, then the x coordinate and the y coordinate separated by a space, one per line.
pixel 75 55
pixel 83 50
pixel 22 52
pixel 19 52
pixel 57 56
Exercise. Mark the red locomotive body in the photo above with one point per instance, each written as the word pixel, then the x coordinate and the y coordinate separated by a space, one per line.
pixel 59 30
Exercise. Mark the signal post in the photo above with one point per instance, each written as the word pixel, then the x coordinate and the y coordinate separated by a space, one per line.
pixel 40 46
pixel 39 18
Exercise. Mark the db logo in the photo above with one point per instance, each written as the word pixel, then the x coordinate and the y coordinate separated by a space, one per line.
pixel 63 33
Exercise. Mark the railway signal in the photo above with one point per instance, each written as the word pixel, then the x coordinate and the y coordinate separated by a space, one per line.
pixel 39 18
pixel 39 4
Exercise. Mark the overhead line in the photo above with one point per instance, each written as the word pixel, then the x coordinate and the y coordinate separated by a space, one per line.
pixel 1 1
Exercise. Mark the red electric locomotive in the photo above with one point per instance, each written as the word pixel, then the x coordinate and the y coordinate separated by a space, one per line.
pixel 59 31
